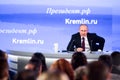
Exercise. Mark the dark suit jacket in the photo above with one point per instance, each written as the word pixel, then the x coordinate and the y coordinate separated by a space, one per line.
pixel 96 42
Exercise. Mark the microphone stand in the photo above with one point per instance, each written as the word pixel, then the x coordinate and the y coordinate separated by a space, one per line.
pixel 70 46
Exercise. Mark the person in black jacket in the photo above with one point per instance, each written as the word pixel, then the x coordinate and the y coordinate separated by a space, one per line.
pixel 92 42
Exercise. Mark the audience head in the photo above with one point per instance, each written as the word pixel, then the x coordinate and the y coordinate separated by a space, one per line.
pixel 78 59
pixel 3 55
pixel 26 75
pixel 34 65
pixel 107 60
pixel 40 57
pixel 4 75
pixel 116 58
pixel 53 75
pixel 83 30
pixel 81 73
pixel 97 71
pixel 63 66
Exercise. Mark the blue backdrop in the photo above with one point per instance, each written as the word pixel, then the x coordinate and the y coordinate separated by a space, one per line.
pixel 36 25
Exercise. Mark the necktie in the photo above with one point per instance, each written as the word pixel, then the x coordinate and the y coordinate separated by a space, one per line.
pixel 83 43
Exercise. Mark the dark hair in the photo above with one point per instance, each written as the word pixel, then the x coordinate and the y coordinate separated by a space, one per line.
pixel 40 57
pixel 25 75
pixel 97 71
pixel 3 65
pixel 116 57
pixel 78 59
pixel 36 63
pixel 2 55
pixel 3 68
pixel 107 60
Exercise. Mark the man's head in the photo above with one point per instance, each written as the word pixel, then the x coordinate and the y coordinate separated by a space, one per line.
pixel 116 58
pixel 78 59
pixel 97 71
pixel 107 60
pixel 83 30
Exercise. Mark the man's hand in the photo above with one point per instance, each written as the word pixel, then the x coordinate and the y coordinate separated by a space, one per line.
pixel 79 49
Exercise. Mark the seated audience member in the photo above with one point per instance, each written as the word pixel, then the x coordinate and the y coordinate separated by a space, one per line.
pixel 53 75
pixel 97 71
pixel 4 73
pixel 3 55
pixel 25 75
pixel 107 60
pixel 63 66
pixel 81 73
pixel 116 62
pixel 85 41
pixel 4 58
pixel 78 59
pixel 40 57
pixel 35 65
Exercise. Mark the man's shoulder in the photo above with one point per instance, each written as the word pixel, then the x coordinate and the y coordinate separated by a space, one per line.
pixel 76 34
pixel 92 34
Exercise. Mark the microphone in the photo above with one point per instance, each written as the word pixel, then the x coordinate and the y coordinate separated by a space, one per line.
pixel 70 46
pixel 91 46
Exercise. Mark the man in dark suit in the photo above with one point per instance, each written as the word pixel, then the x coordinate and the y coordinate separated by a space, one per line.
pixel 84 41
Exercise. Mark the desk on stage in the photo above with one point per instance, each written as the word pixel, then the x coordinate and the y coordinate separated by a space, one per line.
pixel 18 59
